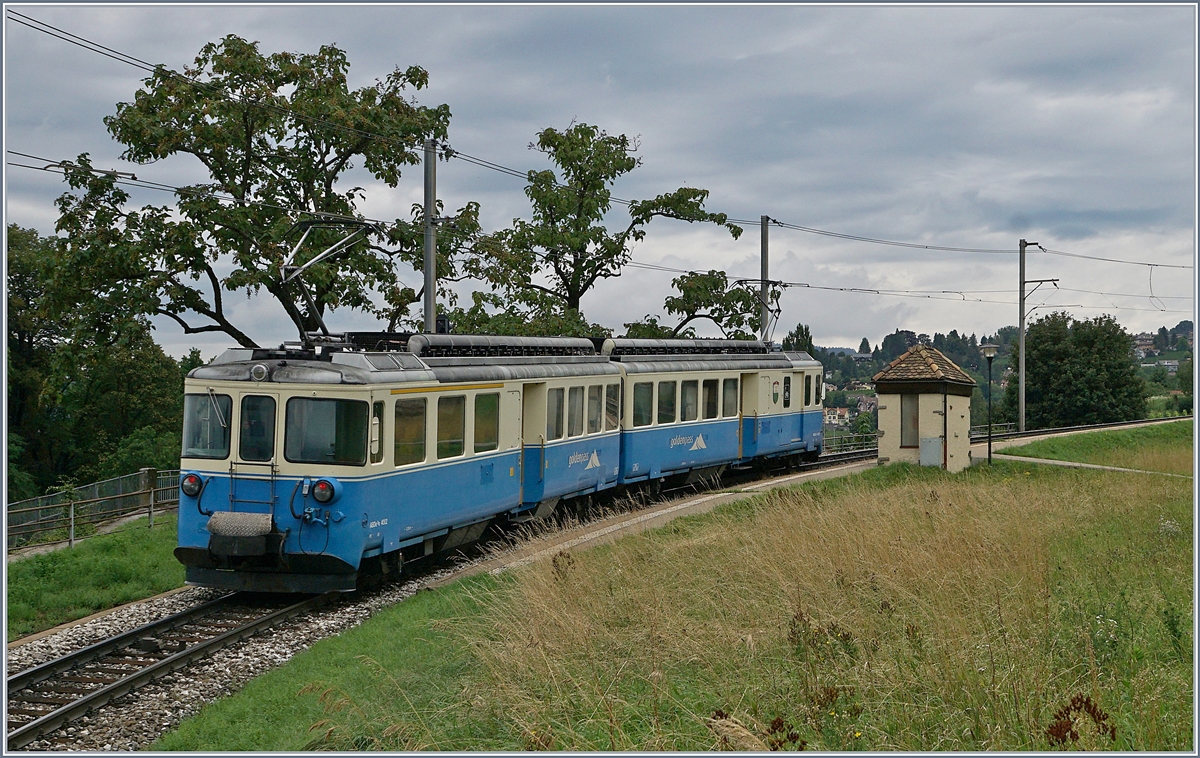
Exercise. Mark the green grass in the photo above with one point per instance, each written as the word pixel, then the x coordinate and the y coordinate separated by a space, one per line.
pixel 100 572
pixel 903 608
pixel 1160 447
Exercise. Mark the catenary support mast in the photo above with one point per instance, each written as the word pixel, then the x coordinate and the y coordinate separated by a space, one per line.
pixel 430 236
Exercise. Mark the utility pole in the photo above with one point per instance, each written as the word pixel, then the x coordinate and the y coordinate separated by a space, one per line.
pixel 1021 348
pixel 431 237
pixel 764 286
pixel 1021 330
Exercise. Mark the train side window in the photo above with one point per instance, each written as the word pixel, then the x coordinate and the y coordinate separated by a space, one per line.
pixel 612 407
pixel 690 400
pixel 487 422
pixel 666 402
pixel 376 431
pixel 451 426
pixel 206 420
pixel 730 398
pixel 820 391
pixel 326 430
pixel 410 431
pixel 554 414
pixel 808 389
pixel 787 392
pixel 643 403
pixel 711 389
pixel 257 439
pixel 908 421
pixel 575 412
pixel 595 407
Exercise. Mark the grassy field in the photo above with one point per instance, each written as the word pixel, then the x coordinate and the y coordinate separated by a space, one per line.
pixel 1012 607
pixel 1161 447
pixel 100 572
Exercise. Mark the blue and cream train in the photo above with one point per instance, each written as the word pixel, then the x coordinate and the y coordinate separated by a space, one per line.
pixel 304 467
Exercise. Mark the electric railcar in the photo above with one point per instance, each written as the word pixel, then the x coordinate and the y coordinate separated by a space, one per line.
pixel 303 467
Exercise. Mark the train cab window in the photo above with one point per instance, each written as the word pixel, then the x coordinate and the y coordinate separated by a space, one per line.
pixel 410 431
pixel 787 392
pixel 575 412
pixel 595 409
pixel 376 432
pixel 819 391
pixel 326 430
pixel 206 419
pixel 554 414
pixel 690 400
pixel 711 388
pixel 612 407
pixel 643 403
pixel 729 399
pixel 808 389
pixel 451 426
pixel 666 402
pixel 256 442
pixel 487 422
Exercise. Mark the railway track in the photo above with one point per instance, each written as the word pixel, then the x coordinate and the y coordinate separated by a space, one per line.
pixel 43 698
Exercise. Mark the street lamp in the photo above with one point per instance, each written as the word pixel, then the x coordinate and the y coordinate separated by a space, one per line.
pixel 989 352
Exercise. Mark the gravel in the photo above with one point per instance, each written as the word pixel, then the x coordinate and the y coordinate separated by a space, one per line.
pixel 136 720
pixel 122 619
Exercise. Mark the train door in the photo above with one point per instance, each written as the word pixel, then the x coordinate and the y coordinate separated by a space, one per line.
pixel 747 413
pixel 252 470
pixel 377 438
pixel 533 441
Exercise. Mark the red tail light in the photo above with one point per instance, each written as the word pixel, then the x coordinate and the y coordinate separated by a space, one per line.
pixel 191 485
pixel 322 491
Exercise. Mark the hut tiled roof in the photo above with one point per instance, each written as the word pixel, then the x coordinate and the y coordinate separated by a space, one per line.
pixel 922 363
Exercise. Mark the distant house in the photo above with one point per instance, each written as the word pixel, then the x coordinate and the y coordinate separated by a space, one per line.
pixel 837 416
pixel 1143 344
pixel 1171 366
pixel 861 357
pixel 868 403
pixel 830 388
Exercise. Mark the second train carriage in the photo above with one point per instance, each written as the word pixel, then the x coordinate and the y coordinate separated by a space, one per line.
pixel 299 466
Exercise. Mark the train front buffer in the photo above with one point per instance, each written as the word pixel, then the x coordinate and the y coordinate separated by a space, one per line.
pixel 267 534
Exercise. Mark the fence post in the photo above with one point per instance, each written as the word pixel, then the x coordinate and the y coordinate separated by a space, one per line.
pixel 149 482
pixel 71 533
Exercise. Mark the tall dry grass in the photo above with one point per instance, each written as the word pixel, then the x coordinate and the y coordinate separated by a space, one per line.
pixel 845 615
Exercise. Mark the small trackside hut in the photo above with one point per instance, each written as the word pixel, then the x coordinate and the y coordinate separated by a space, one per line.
pixel 925 410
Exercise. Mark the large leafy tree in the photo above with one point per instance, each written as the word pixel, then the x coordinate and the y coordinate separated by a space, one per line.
pixel 1077 372
pixel 733 307
pixel 81 405
pixel 276 134
pixel 548 263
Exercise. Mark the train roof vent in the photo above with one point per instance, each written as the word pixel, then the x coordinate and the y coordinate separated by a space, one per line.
pixel 456 345
pixel 630 346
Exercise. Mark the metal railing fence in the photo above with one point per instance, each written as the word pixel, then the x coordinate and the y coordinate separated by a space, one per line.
pixel 62 515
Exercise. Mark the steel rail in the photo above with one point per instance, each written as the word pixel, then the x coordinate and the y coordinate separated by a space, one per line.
pixel 31 731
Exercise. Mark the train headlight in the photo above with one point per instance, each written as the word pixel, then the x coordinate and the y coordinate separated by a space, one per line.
pixel 191 485
pixel 259 372
pixel 322 491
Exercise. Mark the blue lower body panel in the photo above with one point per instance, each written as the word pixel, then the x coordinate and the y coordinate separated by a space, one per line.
pixel 370 515
pixel 570 467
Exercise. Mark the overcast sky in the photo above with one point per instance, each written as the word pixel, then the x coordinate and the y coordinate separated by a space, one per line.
pixel 953 126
